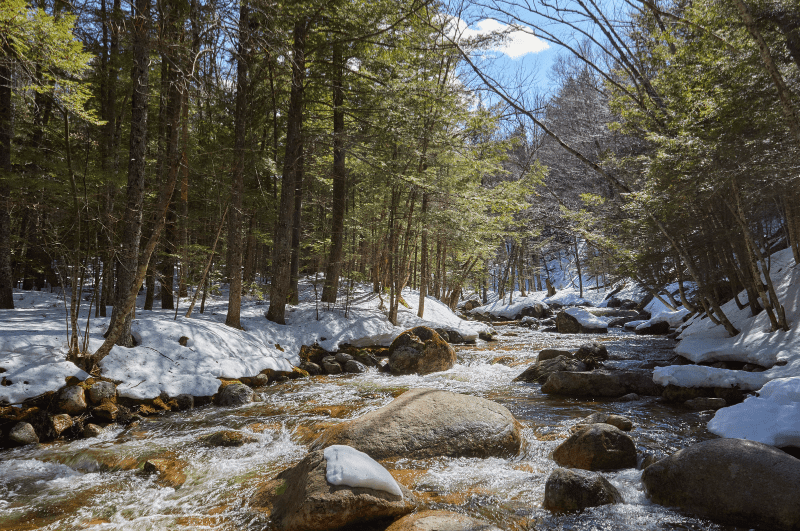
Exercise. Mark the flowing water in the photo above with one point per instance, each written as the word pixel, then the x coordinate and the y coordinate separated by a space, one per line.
pixel 96 483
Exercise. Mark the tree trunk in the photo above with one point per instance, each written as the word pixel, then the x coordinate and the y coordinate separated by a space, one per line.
pixel 294 275
pixel 423 268
pixel 6 131
pixel 281 253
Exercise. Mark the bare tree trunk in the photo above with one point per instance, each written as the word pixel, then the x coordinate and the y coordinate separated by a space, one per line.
pixel 6 131
pixel 423 270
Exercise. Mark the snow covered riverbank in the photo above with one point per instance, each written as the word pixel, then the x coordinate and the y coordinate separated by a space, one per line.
pixel 33 342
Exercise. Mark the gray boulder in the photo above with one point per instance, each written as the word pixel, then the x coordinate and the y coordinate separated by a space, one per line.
pixel 602 383
pixel 301 499
pixel 23 433
pixel 658 328
pixel 354 367
pixel 235 394
pixel 540 371
pixel 704 403
pixel 72 400
pixel 592 354
pixel 420 350
pixel 574 490
pixel 440 521
pixel 597 447
pixel 424 423
pixel 102 390
pixel 730 480
pixel 331 366
pixel 567 324
pixel 342 358
pixel 550 353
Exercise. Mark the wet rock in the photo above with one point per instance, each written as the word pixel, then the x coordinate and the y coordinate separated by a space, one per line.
pixel 618 421
pixel 256 382
pixel 102 390
pixel 657 329
pixel 169 471
pixel 313 353
pixel 567 324
pixel 601 383
pixel 471 305
pixel 537 311
pixel 59 424
pixel 420 350
pixel 23 433
pixel 730 480
pixel 550 353
pixel 455 337
pixel 424 423
pixel 704 403
pixel 311 368
pixel 530 322
pixel 184 402
pixel 443 333
pixel 226 439
pixel 592 354
pixel 486 336
pixel 597 447
pixel 330 366
pixel 342 358
pixel 91 430
pixel 440 521
pixel 752 367
pixel 354 367
pixel 630 397
pixel 574 490
pixel 235 394
pixel 108 412
pixel 540 371
pixel 72 400
pixel 301 499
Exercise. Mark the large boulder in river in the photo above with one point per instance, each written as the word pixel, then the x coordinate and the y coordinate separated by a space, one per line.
pixel 730 480
pixel 550 353
pixel 579 321
pixel 597 447
pixel 420 350
pixel 424 423
pixel 302 499
pixel 574 490
pixel 602 383
pixel 235 394
pixel 440 521
pixel 658 328
pixel 540 371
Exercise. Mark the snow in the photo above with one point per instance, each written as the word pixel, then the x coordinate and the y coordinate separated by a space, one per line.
pixel 350 467
pixel 772 417
pixel 586 319
pixel 501 308
pixel 703 342
pixel 33 340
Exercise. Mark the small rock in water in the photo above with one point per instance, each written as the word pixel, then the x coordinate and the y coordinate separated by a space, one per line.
pixel 72 400
pixel 184 402
pixel 550 353
pixel 420 350
pixel 574 490
pixel 330 365
pixel 23 433
pixel 440 521
pixel 92 430
pixel 60 423
pixel 235 394
pixel 630 397
pixel 101 391
pixel 597 447
pixel 704 403
pixel 227 439
pixel 169 471
pixel 618 421
pixel 354 367
pixel 107 411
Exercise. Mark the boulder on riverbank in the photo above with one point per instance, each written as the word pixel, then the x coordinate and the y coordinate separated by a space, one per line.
pixel 602 383
pixel 597 447
pixel 424 423
pixel 540 371
pixel 730 480
pixel 420 350
pixel 302 499
pixel 440 521
pixel 574 490
pixel 579 321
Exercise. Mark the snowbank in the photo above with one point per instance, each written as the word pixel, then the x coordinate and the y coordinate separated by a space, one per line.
pixel 772 417
pixel 702 341
pixel 347 466
pixel 586 319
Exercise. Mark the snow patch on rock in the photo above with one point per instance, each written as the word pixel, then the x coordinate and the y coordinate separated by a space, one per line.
pixel 350 467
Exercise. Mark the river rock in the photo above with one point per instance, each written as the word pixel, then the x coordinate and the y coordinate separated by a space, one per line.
pixel 455 337
pixel 658 328
pixel 169 472
pixel 72 400
pixel 592 354
pixel 550 353
pixel 331 366
pixel 730 480
pixel 226 439
pixel 420 350
pixel 541 370
pixel 59 424
pixel 471 305
pixel 602 383
pixel 107 411
pixel 91 430
pixel 618 421
pixel 568 324
pixel 537 311
pixel 102 390
pixel 235 394
pixel 704 403
pixel 311 368
pixel 301 499
pixel 574 490
pixel 440 521
pixel 597 447
pixel 424 423
pixel 342 358
pixel 23 433
pixel 355 367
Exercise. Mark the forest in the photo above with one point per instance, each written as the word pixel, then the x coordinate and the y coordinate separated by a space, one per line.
pixel 180 144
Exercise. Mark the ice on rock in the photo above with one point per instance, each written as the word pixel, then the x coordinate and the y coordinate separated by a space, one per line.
pixel 347 466
pixel 772 418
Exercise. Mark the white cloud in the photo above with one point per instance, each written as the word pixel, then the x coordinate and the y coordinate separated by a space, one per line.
pixel 519 40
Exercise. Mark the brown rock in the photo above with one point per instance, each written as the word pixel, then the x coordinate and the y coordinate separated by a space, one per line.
pixel 92 430
pixel 227 438
pixel 730 480
pixel 60 423
pixel 574 490
pixel 602 383
pixel 440 521
pixel 170 471
pixel 618 421
pixel 597 447
pixel 420 350
pixel 107 411
pixel 550 353
pixel 705 403
pixel 540 371
pixel 424 423
pixel 301 499
pixel 72 400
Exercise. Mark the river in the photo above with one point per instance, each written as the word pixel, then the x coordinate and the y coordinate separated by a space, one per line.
pixel 94 483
